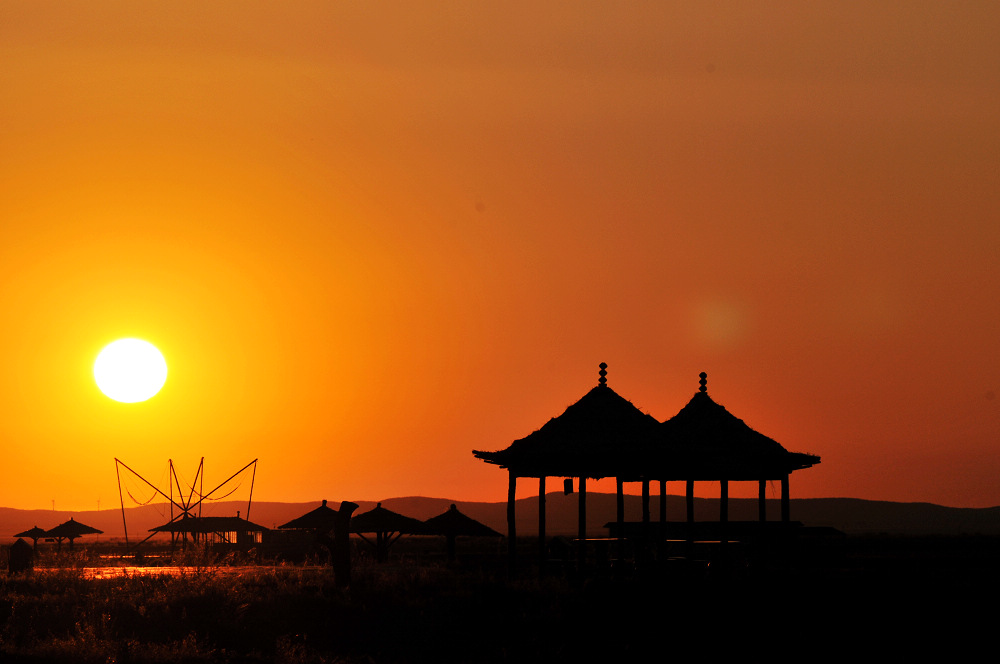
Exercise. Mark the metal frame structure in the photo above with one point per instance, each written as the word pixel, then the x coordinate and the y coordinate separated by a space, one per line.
pixel 184 504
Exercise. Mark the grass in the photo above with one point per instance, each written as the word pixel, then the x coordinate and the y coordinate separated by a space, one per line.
pixel 283 614
pixel 418 610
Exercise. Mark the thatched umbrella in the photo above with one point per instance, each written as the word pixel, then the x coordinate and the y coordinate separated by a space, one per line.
pixel 388 527
pixel 70 530
pixel 34 534
pixel 452 524
pixel 321 521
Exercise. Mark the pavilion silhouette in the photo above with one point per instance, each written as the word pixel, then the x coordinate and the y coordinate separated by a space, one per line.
pixel 603 435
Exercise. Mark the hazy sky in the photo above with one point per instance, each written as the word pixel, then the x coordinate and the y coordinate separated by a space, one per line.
pixel 370 237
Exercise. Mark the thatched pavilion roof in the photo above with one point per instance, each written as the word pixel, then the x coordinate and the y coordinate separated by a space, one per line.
pixel 322 518
pixel 381 520
pixel 71 530
pixel 209 524
pixel 704 441
pixel 601 435
pixel 33 534
pixel 453 523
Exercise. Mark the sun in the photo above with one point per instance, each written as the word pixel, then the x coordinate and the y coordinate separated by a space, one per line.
pixel 130 370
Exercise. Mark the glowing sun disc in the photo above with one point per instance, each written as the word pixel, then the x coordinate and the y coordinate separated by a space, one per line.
pixel 130 370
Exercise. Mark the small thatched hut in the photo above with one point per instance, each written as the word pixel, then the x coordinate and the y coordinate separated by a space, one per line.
pixel 216 530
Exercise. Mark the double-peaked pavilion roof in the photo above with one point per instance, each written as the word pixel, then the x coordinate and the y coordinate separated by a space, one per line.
pixel 604 435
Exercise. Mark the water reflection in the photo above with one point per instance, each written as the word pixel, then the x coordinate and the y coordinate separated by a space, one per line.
pixel 120 571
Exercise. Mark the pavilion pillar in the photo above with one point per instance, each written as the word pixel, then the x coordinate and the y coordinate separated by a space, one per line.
pixel 762 500
pixel 582 523
pixel 661 539
pixel 643 550
pixel 663 503
pixel 645 504
pixel 620 515
pixel 724 512
pixel 724 501
pixel 620 504
pixel 785 500
pixel 541 524
pixel 690 501
pixel 511 528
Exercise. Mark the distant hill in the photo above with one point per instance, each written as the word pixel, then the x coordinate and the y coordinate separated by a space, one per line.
pixel 850 515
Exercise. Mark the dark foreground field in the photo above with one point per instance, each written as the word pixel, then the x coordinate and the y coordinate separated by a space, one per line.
pixel 870 597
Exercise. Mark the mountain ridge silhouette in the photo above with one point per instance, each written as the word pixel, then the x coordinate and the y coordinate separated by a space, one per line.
pixel 854 516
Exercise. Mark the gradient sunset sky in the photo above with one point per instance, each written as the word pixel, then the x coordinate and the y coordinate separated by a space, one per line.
pixel 370 237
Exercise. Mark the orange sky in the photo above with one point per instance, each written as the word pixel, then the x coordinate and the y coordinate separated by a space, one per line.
pixel 370 237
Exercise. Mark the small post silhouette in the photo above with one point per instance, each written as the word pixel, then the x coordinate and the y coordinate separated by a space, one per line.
pixel 341 551
pixel 20 557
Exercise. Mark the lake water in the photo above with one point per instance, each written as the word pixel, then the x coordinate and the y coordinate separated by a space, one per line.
pixel 112 572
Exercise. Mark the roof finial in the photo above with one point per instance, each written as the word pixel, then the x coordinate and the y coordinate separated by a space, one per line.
pixel 603 381
pixel 703 382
